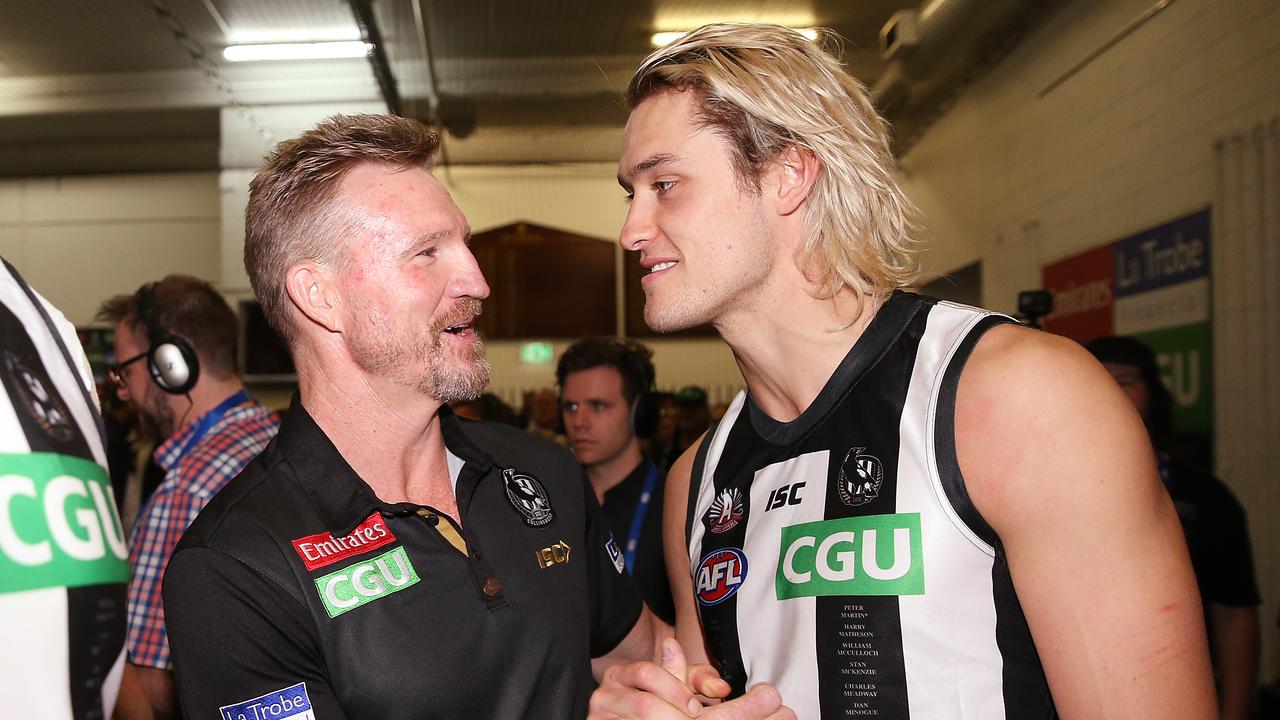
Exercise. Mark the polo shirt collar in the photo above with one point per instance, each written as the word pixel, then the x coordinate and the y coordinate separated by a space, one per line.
pixel 341 497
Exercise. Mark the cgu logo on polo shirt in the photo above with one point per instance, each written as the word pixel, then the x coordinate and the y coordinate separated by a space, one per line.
pixel 58 524
pixel 324 549
pixel 364 582
pixel 867 555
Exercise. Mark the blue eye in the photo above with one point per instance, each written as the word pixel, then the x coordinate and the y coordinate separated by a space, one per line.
pixel 662 186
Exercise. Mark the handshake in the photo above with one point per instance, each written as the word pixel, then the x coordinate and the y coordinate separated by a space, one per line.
pixel 675 690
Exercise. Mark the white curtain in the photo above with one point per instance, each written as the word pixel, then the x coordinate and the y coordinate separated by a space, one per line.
pixel 1246 327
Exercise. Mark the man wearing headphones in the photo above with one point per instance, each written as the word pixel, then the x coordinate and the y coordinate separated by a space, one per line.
pixel 175 344
pixel 607 402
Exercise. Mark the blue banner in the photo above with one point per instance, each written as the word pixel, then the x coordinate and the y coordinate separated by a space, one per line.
pixel 1166 255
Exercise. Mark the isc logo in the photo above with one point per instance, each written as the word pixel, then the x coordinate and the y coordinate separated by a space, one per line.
pixel 869 555
pixel 720 574
pixel 785 495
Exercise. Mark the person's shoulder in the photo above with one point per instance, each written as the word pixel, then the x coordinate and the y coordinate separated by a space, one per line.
pixel 1029 399
pixel 245 505
pixel 1016 374
pixel 505 443
pixel 1206 492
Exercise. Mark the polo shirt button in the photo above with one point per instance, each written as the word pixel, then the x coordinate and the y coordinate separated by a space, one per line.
pixel 492 587
pixel 431 518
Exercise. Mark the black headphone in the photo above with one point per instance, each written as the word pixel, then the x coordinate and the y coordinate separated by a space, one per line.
pixel 645 409
pixel 170 359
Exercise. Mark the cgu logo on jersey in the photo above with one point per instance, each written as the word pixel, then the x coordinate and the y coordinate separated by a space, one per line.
pixel 58 524
pixel 720 574
pixel 869 555
pixel 324 549
pixel 362 583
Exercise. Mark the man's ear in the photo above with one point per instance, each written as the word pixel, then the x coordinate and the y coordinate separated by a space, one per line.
pixel 313 292
pixel 795 173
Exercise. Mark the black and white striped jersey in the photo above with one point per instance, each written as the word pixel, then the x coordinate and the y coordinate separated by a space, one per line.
pixel 63 558
pixel 838 556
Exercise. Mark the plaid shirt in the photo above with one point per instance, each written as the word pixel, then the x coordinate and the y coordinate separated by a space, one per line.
pixel 192 477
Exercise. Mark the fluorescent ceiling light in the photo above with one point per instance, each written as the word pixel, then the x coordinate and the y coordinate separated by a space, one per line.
pixel 666 38
pixel 297 51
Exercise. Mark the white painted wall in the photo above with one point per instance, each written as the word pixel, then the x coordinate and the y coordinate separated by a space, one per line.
pixel 1018 180
pixel 79 240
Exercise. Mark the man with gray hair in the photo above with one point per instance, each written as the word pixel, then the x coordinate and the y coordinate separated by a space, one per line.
pixel 382 558
pixel 916 509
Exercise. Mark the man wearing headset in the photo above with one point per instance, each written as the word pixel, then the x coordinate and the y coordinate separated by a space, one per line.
pixel 175 344
pixel 606 399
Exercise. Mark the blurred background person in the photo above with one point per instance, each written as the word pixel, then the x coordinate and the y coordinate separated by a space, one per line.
pixel 488 407
pixel 1214 524
pixel 691 416
pixel 608 405
pixel 542 410
pixel 175 344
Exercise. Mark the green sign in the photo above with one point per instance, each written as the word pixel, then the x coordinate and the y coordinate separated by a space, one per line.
pixel 58 524
pixel 1185 356
pixel 362 583
pixel 537 353
pixel 872 555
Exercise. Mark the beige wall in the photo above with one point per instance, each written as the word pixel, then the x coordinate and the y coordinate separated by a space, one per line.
pixel 79 240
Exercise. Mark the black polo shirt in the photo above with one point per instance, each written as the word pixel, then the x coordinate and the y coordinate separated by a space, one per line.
pixel 620 508
pixel 298 591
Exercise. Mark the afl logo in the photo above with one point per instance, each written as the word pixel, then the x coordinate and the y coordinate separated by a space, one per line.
pixel 860 478
pixel 43 406
pixel 528 498
pixel 720 574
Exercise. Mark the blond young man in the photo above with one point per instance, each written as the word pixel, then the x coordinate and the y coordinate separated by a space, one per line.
pixel 916 509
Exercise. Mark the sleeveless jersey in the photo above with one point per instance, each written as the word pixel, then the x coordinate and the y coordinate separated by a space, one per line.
pixel 838 556
pixel 63 558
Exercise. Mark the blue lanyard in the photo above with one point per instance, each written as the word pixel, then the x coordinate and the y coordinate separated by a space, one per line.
pixel 211 418
pixel 637 518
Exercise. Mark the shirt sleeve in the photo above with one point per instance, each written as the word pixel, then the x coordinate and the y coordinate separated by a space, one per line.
pixel 239 645
pixel 615 600
pixel 160 526
pixel 1229 563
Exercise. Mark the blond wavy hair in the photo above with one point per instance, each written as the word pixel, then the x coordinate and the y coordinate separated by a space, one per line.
pixel 294 214
pixel 766 88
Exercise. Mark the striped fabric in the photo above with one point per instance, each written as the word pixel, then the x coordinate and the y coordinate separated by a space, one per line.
pixel 191 480
pixel 62 585
pixel 838 557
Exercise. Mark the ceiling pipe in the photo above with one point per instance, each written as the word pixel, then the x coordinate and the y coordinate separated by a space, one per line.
pixel 363 10
pixel 933 43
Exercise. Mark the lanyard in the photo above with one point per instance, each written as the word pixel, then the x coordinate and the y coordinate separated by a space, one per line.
pixel 211 418
pixel 637 518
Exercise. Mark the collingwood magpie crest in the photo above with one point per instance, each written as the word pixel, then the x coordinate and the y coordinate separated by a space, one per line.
pixel 861 476
pixel 46 408
pixel 528 498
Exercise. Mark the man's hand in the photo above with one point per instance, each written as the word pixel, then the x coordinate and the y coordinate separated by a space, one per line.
pixel 647 691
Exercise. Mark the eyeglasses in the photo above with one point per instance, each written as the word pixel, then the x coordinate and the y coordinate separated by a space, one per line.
pixel 115 371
